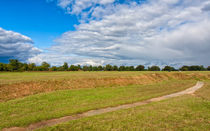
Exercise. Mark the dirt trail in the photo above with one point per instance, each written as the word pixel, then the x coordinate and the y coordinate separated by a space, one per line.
pixel 101 111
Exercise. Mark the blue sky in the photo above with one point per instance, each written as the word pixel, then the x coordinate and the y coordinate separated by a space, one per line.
pixel 40 20
pixel 99 32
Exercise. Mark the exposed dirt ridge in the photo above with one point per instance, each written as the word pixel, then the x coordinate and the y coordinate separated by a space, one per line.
pixel 103 110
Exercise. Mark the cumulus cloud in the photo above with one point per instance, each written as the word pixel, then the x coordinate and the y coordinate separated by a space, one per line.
pixel 77 6
pixel 206 7
pixel 154 32
pixel 87 9
pixel 16 45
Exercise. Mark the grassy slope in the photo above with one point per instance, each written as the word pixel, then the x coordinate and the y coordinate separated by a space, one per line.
pixel 34 108
pixel 17 77
pixel 189 112
pixel 20 84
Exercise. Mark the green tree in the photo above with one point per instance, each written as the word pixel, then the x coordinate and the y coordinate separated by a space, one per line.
pixel 131 68
pixel 115 68
pixel 85 68
pixel 14 65
pixel 24 67
pixel 90 68
pixel 38 68
pixel 122 68
pixel 3 67
pixel 154 68
pixel 31 66
pixel 45 66
pixel 79 67
pixel 168 68
pixel 65 66
pixel 73 68
pixel 60 68
pixel 100 68
pixel 208 68
pixel 184 68
pixel 95 68
pixel 53 68
pixel 196 68
pixel 108 67
pixel 140 68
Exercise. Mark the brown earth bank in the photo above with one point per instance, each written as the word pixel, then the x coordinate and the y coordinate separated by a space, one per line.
pixel 21 89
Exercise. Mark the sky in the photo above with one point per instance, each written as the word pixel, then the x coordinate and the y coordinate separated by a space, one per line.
pixel 100 32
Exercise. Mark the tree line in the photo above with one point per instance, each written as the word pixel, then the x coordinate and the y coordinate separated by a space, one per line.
pixel 15 65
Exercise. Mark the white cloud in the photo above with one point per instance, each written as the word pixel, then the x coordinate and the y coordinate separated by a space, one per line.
pixel 15 45
pixel 84 8
pixel 158 31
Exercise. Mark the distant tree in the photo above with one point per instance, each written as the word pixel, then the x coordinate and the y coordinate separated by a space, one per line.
pixel 203 68
pixel 76 68
pixel 108 67
pixel 95 68
pixel 100 68
pixel 115 68
pixel 2 67
pixel 53 68
pixel 24 67
pixel 45 66
pixel 122 68
pixel 60 68
pixel 31 66
pixel 14 65
pixel 79 67
pixel 196 68
pixel 154 68
pixel 39 68
pixel 168 68
pixel 85 68
pixel 90 68
pixel 192 68
pixel 65 66
pixel 131 68
pixel 126 68
pixel 184 68
pixel 73 68
pixel 140 68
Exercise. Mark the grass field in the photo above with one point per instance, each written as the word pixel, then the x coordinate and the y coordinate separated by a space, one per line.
pixel 188 113
pixel 31 97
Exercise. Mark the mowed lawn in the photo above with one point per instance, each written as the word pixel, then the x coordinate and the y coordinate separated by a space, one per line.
pixel 184 113
pixel 47 95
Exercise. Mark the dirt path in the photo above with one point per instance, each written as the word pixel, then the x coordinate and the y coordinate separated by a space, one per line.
pixel 101 111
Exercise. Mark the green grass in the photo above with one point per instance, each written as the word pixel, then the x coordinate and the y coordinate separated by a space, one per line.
pixel 34 108
pixel 184 113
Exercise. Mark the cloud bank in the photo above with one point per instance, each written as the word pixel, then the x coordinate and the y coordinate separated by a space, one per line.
pixel 162 32
pixel 16 45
